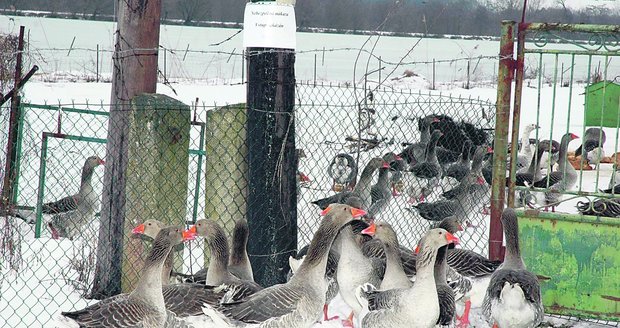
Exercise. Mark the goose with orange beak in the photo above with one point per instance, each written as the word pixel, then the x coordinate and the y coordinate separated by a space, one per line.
pixel 417 306
pixel 298 302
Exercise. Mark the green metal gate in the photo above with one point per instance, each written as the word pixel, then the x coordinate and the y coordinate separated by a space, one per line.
pixel 565 80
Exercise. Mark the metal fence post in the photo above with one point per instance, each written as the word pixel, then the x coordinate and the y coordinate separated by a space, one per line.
pixel 516 115
pixel 504 82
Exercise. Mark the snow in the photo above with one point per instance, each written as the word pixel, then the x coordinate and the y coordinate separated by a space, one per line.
pixel 50 279
pixel 46 284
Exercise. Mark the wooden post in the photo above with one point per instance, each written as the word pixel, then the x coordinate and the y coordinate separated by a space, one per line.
pixel 156 185
pixel 10 173
pixel 468 63
pixel 134 72
pixel 226 166
pixel 272 195
pixel 97 65
pixel 433 73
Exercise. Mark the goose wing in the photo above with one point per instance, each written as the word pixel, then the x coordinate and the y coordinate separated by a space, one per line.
pixel 275 301
pixel 471 264
pixel 121 311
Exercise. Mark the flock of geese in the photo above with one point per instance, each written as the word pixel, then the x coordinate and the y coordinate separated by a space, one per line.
pixel 353 254
pixel 385 284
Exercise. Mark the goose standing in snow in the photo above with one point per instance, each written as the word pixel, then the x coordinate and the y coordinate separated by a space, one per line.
pixel 525 153
pixel 330 276
pixel 380 193
pixel 394 276
pixel 460 169
pixel 218 272
pixel 238 262
pixel 183 299
pixel 144 306
pixel 429 169
pixel 592 139
pixel 513 298
pixel 299 302
pixel 414 153
pixel 354 269
pixel 361 190
pixel 561 180
pixel 70 203
pixel 73 212
pixel 417 306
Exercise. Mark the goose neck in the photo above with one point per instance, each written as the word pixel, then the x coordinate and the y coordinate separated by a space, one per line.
pixel 315 263
pixel 149 285
pixel 218 263
pixel 441 265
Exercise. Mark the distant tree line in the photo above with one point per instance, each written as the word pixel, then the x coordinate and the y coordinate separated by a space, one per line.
pixel 470 17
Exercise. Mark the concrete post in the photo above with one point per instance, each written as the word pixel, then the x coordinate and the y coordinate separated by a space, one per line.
pixel 226 169
pixel 157 171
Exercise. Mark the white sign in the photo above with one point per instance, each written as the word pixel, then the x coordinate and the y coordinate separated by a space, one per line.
pixel 269 25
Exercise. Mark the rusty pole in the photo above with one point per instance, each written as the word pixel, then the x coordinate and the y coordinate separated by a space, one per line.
pixel 504 85
pixel 516 114
pixel 6 201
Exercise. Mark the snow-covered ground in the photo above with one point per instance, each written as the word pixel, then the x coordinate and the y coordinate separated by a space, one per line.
pixel 49 279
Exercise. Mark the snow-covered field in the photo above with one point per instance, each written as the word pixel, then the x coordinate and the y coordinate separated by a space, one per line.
pixel 49 280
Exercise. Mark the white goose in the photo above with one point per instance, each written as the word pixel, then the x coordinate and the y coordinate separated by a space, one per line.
pixel 513 298
pixel 417 306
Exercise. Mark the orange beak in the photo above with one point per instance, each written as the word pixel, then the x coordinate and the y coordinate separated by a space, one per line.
pixel 325 211
pixel 451 238
pixel 189 234
pixel 356 212
pixel 573 136
pixel 417 249
pixel 138 230
pixel 193 229
pixel 372 228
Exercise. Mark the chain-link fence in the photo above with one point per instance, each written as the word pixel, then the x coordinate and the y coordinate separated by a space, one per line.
pixel 46 275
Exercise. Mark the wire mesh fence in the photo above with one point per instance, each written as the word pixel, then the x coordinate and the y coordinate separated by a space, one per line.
pixel 63 147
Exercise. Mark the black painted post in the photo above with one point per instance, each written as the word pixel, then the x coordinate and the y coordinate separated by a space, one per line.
pixel 272 164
